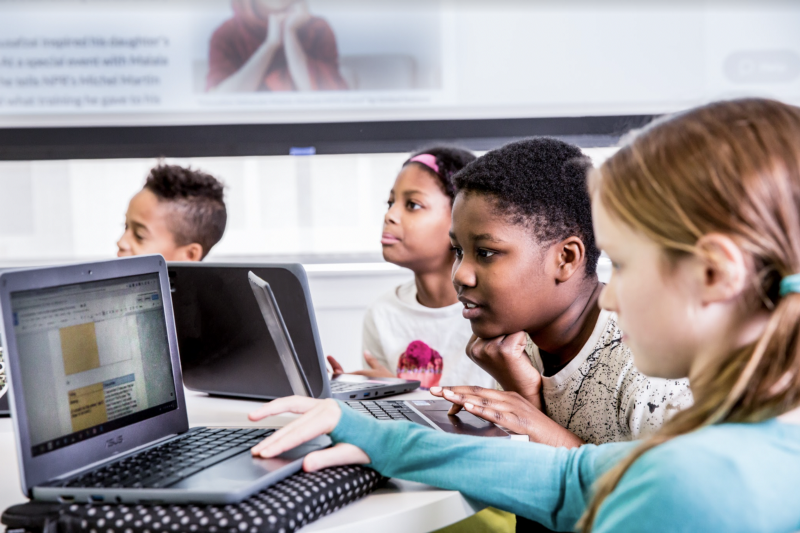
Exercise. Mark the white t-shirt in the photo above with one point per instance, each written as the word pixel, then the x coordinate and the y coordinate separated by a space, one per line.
pixel 601 397
pixel 397 319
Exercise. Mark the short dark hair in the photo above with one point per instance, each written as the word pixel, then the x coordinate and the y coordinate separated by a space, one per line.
pixel 198 198
pixel 450 160
pixel 539 183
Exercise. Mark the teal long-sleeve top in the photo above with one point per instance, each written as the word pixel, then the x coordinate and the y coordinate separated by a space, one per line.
pixel 729 477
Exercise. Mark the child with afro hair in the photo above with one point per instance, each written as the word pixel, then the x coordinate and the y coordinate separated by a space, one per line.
pixel 179 213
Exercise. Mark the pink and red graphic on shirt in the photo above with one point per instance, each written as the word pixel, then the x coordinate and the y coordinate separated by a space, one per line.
pixel 420 362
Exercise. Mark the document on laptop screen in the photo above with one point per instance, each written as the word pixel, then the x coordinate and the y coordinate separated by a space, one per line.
pixel 94 357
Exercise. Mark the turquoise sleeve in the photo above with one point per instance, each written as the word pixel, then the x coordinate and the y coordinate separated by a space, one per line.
pixel 549 485
pixel 680 488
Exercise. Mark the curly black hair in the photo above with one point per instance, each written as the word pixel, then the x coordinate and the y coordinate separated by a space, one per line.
pixel 449 159
pixel 198 200
pixel 541 184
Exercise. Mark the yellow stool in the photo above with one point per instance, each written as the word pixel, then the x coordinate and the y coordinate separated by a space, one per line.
pixel 490 520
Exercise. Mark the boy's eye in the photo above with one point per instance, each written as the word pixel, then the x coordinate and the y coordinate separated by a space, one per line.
pixel 390 203
pixel 412 205
pixel 485 253
pixel 459 252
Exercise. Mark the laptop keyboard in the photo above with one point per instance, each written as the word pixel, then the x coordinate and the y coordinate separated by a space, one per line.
pixel 173 461
pixel 383 410
pixel 343 386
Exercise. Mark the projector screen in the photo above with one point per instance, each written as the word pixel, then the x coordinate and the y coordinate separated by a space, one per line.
pixel 70 63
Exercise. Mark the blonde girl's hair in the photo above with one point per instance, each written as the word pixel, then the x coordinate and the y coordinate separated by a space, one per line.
pixel 733 168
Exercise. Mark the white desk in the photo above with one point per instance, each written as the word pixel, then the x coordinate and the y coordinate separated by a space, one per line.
pixel 402 506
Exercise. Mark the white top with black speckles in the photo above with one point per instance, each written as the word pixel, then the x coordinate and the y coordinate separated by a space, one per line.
pixel 601 397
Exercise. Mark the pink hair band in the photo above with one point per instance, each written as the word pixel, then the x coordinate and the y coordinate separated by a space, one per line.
pixel 426 159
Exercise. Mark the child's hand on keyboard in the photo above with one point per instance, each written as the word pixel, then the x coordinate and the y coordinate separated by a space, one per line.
pixel 510 410
pixel 319 418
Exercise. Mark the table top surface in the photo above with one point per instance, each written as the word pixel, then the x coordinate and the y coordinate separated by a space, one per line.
pixel 422 508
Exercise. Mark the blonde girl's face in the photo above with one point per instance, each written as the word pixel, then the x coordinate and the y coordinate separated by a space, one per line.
pixel 655 301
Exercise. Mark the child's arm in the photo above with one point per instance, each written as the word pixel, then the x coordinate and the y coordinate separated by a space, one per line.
pixel 376 370
pixel 549 485
pixel 510 410
pixel 371 343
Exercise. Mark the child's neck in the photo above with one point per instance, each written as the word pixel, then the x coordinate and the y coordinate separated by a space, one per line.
pixel 435 288
pixel 561 340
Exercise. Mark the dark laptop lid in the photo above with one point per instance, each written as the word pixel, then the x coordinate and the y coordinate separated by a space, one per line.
pixel 92 358
pixel 225 346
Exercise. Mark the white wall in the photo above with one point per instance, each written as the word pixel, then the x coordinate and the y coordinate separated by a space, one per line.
pixel 341 297
pixel 71 210
pixel 53 211
pixel 321 208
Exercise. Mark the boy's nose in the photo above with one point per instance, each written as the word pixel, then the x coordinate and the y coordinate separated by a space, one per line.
pixel 463 275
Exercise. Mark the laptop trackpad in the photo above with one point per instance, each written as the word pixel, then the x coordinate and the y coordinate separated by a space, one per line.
pixel 463 423
pixel 243 469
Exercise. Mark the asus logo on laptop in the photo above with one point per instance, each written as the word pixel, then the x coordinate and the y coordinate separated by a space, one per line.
pixel 110 443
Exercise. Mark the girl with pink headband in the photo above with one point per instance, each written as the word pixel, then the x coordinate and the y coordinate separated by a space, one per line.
pixel 416 331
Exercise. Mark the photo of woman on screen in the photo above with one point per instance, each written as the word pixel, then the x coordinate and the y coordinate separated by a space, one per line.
pixel 273 45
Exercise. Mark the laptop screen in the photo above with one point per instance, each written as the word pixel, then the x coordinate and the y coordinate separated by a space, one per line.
pixel 94 357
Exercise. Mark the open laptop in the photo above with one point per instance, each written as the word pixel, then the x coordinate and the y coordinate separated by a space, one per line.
pixel 430 413
pixel 97 399
pixel 228 350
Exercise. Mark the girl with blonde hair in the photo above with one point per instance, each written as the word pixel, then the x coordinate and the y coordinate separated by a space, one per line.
pixel 700 215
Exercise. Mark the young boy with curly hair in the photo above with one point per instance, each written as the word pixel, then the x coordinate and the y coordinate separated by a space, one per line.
pixel 179 213
pixel 526 273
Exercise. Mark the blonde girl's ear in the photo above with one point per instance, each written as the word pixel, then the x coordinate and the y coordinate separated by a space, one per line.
pixel 725 271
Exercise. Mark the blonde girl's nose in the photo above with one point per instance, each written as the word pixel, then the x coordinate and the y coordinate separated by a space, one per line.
pixel 607 298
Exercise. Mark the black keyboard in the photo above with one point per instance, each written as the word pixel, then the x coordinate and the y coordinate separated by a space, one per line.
pixel 172 461
pixel 383 410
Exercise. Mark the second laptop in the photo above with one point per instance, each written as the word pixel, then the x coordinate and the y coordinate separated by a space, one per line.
pixel 226 348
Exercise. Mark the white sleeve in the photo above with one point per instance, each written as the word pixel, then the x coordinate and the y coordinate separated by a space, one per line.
pixel 371 342
pixel 649 402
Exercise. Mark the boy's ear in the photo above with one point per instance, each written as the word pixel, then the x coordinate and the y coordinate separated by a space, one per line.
pixel 571 256
pixel 190 252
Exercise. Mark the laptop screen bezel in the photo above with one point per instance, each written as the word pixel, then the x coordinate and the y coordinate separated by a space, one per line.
pixel 40 469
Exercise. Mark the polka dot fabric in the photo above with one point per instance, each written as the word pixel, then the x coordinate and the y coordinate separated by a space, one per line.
pixel 282 508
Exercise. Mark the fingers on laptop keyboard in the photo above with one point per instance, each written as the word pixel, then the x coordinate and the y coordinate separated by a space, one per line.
pixel 320 420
